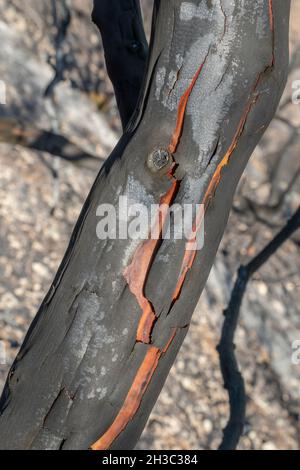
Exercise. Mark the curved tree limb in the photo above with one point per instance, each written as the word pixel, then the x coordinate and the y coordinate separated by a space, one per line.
pixel 233 380
pixel 126 50
pixel 101 346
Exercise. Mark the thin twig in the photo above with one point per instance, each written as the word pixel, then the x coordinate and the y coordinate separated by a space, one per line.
pixel 233 380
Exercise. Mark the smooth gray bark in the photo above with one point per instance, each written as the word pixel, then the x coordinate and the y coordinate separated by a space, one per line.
pixel 81 356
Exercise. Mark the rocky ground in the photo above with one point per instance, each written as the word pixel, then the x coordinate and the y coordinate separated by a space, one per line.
pixel 41 196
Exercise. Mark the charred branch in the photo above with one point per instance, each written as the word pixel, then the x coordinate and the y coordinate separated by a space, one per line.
pixel 233 380
pixel 126 50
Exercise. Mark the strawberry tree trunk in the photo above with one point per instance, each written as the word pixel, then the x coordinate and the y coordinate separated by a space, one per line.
pixel 106 335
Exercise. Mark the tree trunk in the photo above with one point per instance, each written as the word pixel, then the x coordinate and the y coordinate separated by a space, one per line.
pixel 101 346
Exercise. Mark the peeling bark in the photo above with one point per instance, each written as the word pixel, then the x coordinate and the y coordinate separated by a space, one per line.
pixel 115 317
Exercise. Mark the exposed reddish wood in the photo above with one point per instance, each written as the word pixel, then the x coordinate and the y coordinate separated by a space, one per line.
pixel 216 178
pixel 132 401
pixel 190 255
pixel 134 396
pixel 181 111
pixel 136 273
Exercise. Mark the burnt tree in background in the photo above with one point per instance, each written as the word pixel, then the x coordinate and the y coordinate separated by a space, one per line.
pixel 101 346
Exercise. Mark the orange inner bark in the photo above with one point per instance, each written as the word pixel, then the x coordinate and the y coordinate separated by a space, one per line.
pixel 181 112
pixel 136 273
pixel 134 396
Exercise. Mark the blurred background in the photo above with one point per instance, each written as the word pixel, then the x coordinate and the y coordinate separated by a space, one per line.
pixel 58 122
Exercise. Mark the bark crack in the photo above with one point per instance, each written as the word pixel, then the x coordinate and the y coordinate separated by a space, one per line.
pixel 135 395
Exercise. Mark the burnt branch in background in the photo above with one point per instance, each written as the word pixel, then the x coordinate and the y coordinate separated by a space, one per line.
pixel 61 59
pixel 126 49
pixel 233 380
